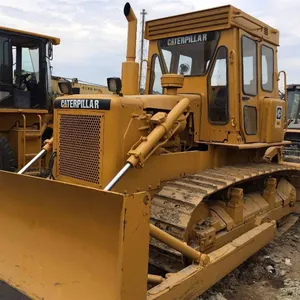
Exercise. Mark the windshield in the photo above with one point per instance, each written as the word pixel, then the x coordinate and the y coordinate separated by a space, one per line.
pixel 188 55
pixel 30 62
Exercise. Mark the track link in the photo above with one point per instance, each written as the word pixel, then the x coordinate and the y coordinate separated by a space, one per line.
pixel 180 200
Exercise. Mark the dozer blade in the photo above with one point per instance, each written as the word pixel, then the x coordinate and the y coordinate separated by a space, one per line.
pixel 62 241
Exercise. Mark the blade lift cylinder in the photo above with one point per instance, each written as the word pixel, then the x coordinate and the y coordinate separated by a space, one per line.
pixel 141 152
pixel 138 155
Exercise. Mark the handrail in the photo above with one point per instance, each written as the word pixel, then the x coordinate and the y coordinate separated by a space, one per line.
pixel 24 139
pixel 285 97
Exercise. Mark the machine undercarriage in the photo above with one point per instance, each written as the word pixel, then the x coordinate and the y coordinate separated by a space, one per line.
pixel 211 208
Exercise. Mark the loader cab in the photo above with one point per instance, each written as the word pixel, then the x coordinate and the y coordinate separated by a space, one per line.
pixel 25 75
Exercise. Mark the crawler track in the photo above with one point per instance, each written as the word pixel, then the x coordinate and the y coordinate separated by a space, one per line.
pixel 179 207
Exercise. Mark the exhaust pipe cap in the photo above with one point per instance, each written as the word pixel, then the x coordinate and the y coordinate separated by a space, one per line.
pixel 127 9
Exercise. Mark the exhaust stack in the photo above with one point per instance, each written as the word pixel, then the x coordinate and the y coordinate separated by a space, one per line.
pixel 130 68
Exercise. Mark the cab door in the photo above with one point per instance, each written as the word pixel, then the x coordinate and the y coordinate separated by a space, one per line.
pixel 249 87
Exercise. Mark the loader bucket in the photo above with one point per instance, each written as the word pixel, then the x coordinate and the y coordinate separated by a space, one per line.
pixel 63 241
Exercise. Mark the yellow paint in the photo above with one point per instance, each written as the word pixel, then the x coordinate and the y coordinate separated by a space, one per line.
pixel 95 244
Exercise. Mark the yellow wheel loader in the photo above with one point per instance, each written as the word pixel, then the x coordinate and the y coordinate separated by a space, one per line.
pixel 25 95
pixel 157 196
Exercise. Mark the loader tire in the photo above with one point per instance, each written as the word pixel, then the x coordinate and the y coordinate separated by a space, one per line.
pixel 7 158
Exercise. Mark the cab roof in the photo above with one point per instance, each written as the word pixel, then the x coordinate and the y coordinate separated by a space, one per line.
pixel 218 18
pixel 54 40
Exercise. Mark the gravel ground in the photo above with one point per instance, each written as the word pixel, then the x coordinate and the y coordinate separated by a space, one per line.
pixel 271 274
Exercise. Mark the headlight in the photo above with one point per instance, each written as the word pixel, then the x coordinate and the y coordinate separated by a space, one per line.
pixel 65 87
pixel 114 84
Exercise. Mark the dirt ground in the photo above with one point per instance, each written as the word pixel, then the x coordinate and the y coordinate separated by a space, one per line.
pixel 271 274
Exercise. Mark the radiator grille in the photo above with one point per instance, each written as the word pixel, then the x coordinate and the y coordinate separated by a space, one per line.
pixel 79 147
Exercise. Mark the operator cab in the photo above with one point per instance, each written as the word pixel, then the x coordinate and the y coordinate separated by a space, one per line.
pixel 231 63
pixel 25 75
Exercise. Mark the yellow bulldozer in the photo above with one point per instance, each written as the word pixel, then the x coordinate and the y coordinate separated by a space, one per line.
pixel 157 196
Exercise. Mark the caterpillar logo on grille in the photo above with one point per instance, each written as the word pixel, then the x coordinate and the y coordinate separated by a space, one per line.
pixel 79 147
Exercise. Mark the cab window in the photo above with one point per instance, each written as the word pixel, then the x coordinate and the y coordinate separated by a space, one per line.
pixel 167 59
pixel 218 89
pixel 250 120
pixel 30 62
pixel 249 59
pixel 5 68
pixel 188 55
pixel 5 61
pixel 267 68
pixel 156 73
